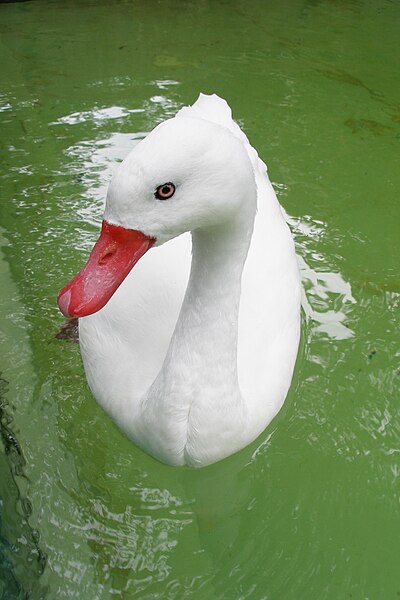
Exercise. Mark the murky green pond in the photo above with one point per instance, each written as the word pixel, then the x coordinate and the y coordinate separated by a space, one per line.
pixel 311 510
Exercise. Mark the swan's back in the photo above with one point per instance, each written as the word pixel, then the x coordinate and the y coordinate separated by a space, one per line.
pixel 269 317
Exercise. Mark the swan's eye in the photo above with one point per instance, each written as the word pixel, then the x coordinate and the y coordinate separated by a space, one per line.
pixel 165 191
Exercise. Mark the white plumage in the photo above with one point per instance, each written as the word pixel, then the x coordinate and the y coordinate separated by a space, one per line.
pixel 194 368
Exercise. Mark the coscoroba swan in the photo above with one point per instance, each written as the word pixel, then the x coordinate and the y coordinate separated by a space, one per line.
pixel 192 357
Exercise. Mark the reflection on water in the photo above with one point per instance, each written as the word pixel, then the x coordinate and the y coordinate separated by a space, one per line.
pixel 93 165
pixel 12 492
pixel 326 295
pixel 97 115
pixel 22 560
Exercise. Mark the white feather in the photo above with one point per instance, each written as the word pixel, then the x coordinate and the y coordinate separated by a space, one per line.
pixel 192 379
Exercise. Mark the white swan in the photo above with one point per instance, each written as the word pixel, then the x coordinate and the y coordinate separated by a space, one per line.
pixel 192 358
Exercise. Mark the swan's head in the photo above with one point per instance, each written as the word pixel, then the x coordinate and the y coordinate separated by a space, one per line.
pixel 187 174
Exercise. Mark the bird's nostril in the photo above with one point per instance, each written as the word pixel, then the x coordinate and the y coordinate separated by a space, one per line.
pixel 106 256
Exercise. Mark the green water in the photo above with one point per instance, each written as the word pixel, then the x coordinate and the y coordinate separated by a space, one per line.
pixel 311 510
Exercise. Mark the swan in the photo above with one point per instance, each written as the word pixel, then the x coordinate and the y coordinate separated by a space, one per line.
pixel 191 352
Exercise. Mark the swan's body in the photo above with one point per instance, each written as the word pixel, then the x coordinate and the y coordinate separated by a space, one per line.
pixel 193 377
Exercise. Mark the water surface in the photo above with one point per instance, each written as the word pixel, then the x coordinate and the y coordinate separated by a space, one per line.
pixel 311 509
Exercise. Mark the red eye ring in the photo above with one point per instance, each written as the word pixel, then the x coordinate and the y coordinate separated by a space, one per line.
pixel 165 191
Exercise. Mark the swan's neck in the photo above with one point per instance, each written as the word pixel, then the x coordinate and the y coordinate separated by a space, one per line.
pixel 197 386
pixel 206 333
